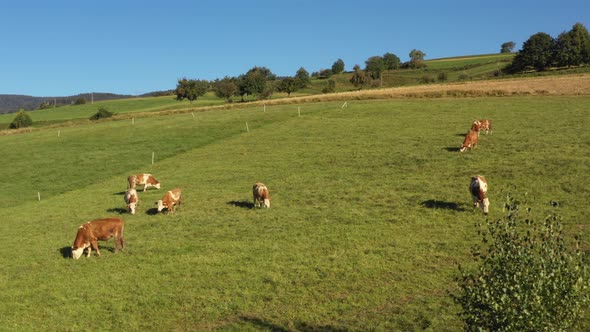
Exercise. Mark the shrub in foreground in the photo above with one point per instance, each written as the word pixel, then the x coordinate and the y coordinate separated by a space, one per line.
pixel 101 114
pixel 21 120
pixel 527 279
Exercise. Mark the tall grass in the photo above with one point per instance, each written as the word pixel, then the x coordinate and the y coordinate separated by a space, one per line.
pixel 370 213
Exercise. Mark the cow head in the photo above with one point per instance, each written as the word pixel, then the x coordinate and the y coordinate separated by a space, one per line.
pixel 77 251
pixel 80 243
pixel 157 185
pixel 462 148
pixel 132 207
pixel 267 203
pixel 160 205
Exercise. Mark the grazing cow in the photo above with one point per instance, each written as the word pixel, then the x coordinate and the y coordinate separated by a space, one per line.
pixel 170 200
pixel 470 141
pixel 479 125
pixel 144 179
pixel 478 189
pixel 132 200
pixel 486 125
pixel 261 195
pixel 99 229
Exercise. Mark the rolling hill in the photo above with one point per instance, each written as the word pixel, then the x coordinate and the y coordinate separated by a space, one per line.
pixel 457 68
pixel 12 103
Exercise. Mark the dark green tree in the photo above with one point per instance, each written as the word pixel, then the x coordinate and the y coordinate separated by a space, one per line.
pixel 417 59
pixel 80 101
pixel 289 85
pixel 391 61
pixel 564 54
pixel 359 77
pixel 536 53
pixel 581 38
pixel 21 120
pixel 191 89
pixel 325 73
pixel 225 88
pixel 507 47
pixel 46 104
pixel 572 48
pixel 254 82
pixel 102 113
pixel 374 66
pixel 338 66
pixel 302 78
pixel 526 278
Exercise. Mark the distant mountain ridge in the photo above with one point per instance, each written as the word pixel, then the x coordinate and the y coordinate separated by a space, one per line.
pixel 12 103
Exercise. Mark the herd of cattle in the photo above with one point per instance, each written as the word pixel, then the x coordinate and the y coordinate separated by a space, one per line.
pixel 479 185
pixel 104 229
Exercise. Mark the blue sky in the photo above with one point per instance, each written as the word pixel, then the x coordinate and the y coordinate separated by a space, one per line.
pixel 66 47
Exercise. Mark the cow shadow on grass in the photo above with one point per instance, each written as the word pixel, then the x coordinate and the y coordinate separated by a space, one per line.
pixel 66 252
pixel 262 324
pixel 120 193
pixel 436 204
pixel 453 149
pixel 242 204
pixel 117 210
pixel 151 212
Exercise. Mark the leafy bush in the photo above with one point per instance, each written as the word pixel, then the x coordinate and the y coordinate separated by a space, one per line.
pixel 427 79
pixel 80 101
pixel 46 104
pixel 526 279
pixel 330 86
pixel 101 114
pixel 21 120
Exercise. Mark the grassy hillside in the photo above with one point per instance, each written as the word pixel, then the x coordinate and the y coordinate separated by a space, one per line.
pixel 146 104
pixel 457 69
pixel 369 216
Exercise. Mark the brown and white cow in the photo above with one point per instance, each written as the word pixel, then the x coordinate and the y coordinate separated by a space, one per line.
pixel 261 195
pixel 479 125
pixel 170 200
pixel 470 141
pixel 479 189
pixel 144 179
pixel 99 229
pixel 132 200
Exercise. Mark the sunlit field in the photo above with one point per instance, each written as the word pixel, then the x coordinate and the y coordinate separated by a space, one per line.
pixel 370 212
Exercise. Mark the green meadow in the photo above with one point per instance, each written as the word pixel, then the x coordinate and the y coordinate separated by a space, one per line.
pixel 370 213
pixel 119 106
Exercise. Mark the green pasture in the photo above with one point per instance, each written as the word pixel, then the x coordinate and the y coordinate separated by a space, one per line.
pixel 370 213
pixel 119 106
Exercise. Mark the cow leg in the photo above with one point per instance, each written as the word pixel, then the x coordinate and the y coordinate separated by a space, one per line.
pixel 88 251
pixel 475 201
pixel 485 205
pixel 94 244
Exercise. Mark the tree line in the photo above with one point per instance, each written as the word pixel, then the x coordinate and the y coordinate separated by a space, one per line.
pixel 541 51
pixel 261 83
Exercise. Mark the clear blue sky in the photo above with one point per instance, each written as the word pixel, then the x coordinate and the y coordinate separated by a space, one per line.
pixel 66 47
